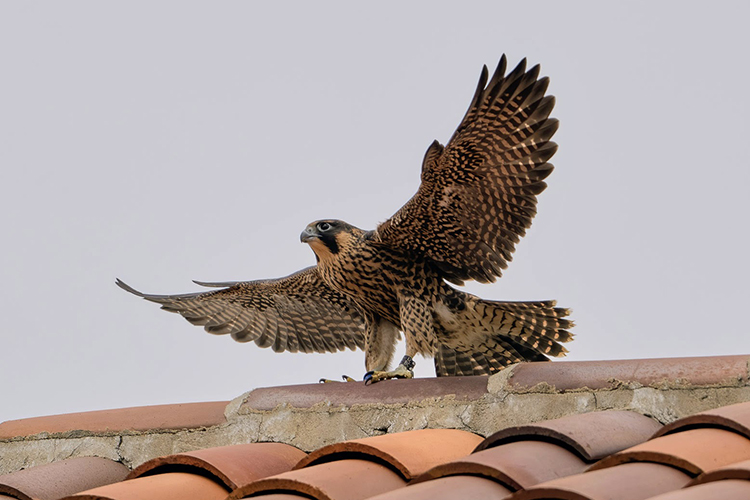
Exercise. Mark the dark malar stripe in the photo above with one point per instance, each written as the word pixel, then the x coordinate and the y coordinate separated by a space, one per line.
pixel 330 241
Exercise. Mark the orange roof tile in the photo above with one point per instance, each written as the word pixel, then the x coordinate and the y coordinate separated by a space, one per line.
pixel 514 465
pixel 55 480
pixel 634 481
pixel 233 466
pixel 453 487
pixel 169 486
pixel 719 490
pixel 694 451
pixel 737 470
pixel 628 455
pixel 351 479
pixel 411 452
pixel 142 418
pixel 732 418
pixel 592 435
pixel 569 375
pixel 355 393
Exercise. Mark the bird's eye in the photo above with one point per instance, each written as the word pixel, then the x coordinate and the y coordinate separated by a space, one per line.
pixel 323 226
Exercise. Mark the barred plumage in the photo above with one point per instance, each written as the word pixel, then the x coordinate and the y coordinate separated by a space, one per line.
pixel 476 200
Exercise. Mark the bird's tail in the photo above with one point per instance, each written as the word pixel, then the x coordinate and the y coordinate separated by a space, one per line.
pixel 490 335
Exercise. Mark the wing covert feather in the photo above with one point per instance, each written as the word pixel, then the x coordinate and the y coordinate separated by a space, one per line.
pixel 478 193
pixel 295 313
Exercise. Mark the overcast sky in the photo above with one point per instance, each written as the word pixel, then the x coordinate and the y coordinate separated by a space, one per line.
pixel 160 142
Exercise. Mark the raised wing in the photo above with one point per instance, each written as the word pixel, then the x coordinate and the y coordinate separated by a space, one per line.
pixel 478 194
pixel 296 313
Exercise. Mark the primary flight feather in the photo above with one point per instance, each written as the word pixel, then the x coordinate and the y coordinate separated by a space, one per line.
pixel 476 199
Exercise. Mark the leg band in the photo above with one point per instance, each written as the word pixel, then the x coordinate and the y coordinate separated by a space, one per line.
pixel 408 363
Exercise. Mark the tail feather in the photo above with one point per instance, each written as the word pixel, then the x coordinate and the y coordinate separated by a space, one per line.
pixel 488 335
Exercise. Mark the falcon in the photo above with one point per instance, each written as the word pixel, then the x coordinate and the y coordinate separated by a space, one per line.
pixel 477 197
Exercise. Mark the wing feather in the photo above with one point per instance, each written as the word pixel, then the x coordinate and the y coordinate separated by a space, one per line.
pixel 478 194
pixel 296 313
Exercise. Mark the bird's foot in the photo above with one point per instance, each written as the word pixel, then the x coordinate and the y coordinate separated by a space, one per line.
pixel 403 370
pixel 346 378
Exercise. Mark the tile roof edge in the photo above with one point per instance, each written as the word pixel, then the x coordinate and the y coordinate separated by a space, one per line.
pixel 739 470
pixel 714 418
pixel 587 434
pixel 117 422
pixel 500 402
pixel 660 373
pixel 462 468
pixel 383 450
pixel 222 463
pixel 352 394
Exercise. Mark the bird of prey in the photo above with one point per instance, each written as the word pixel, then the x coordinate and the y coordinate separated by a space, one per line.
pixel 477 197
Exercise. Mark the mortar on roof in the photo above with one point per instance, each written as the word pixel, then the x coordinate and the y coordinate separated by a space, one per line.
pixel 501 403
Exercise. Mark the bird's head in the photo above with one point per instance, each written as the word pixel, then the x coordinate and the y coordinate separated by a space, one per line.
pixel 328 237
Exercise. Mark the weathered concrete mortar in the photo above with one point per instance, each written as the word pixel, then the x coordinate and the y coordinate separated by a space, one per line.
pixel 503 404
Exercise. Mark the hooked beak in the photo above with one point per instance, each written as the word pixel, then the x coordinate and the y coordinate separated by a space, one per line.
pixel 308 234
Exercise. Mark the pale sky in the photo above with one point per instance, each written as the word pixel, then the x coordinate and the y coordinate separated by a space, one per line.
pixel 160 142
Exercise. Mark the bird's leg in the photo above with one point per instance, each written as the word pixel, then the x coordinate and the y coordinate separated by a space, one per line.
pixel 416 322
pixel 405 369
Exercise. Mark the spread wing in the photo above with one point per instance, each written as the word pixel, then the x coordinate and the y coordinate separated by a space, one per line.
pixel 296 313
pixel 478 194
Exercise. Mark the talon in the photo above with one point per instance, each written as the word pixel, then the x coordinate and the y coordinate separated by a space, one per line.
pixel 347 378
pixel 401 371
pixel 328 381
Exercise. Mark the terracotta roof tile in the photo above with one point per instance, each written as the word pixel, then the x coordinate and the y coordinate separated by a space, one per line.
pixel 567 375
pixel 170 486
pixel 515 465
pixel 733 417
pixel 233 466
pixel 411 452
pixel 453 487
pixel 283 496
pixel 694 451
pixel 351 479
pixel 719 490
pixel 737 470
pixel 545 459
pixel 634 481
pixel 592 435
pixel 52 481
pixel 350 393
pixel 142 418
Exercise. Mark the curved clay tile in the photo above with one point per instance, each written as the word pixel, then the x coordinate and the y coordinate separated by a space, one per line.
pixel 515 465
pixel 281 496
pixel 340 480
pixel 720 490
pixel 55 480
pixel 453 487
pixel 739 470
pixel 592 435
pixel 694 451
pixel 733 417
pixel 171 486
pixel 684 372
pixel 142 418
pixel 234 465
pixel 624 482
pixel 410 452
